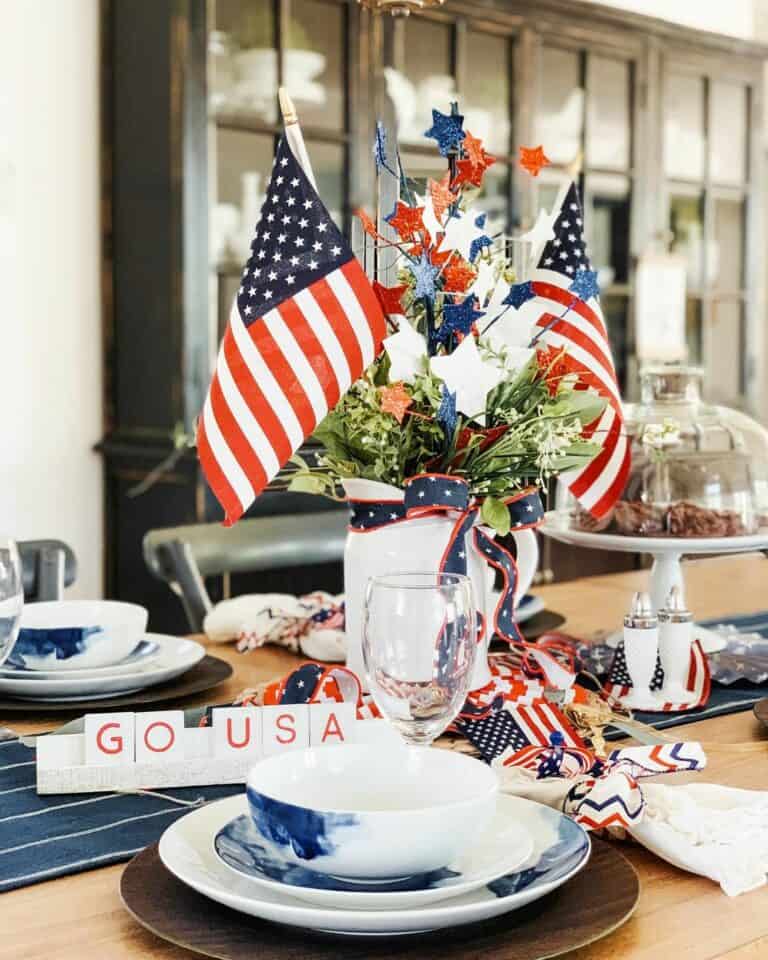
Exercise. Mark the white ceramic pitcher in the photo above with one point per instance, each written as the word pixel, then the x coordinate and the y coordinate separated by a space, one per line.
pixel 418 545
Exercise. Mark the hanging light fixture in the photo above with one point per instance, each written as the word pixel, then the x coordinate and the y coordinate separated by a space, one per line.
pixel 399 8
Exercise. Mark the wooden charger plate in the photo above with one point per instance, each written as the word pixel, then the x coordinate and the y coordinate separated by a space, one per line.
pixel 760 710
pixel 208 673
pixel 591 905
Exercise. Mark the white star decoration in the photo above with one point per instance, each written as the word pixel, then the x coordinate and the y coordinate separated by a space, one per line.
pixel 406 350
pixel 512 333
pixel 484 282
pixel 467 375
pixel 461 231
pixel 541 232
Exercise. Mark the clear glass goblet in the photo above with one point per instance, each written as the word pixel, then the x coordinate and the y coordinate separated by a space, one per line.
pixel 419 647
pixel 11 596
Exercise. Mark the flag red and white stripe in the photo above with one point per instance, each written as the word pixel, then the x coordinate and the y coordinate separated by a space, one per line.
pixel 577 325
pixel 304 326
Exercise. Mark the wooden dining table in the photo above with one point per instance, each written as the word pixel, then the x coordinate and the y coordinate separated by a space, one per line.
pixel 679 915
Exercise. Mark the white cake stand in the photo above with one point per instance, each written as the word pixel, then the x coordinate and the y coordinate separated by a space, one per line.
pixel 667 552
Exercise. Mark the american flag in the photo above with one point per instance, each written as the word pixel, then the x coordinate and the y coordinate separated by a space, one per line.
pixel 303 327
pixel 619 682
pixel 575 322
pixel 518 726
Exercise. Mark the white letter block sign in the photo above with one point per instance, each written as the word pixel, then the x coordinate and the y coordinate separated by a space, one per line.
pixel 236 730
pixel 109 738
pixel 159 736
pixel 285 727
pixel 331 723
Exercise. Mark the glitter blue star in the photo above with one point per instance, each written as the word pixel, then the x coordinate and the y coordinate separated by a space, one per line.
pixel 446 412
pixel 585 285
pixel 519 293
pixel 477 245
pixel 424 274
pixel 459 317
pixel 447 130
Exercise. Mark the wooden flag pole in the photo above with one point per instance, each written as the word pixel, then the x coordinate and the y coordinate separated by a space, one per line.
pixel 293 134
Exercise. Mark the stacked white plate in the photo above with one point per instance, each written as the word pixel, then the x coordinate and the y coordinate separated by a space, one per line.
pixel 155 659
pixel 526 851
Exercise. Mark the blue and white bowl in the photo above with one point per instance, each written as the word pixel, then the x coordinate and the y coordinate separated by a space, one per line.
pixel 371 813
pixel 61 635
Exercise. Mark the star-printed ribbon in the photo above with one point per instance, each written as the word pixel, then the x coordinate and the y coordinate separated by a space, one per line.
pixel 433 494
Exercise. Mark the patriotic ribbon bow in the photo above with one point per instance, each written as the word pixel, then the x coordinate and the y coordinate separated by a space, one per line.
pixel 433 494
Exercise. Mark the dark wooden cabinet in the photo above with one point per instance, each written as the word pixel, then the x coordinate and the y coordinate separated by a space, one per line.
pixel 164 151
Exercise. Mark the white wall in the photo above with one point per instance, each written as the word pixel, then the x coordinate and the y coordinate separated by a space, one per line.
pixel 733 17
pixel 50 325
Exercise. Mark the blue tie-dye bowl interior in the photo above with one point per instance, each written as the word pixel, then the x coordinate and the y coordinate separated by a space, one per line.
pixel 62 635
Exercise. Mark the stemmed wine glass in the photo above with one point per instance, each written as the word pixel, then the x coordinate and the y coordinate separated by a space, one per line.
pixel 11 596
pixel 419 647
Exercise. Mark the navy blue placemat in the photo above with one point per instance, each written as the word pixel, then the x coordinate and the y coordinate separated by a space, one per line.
pixel 723 699
pixel 46 837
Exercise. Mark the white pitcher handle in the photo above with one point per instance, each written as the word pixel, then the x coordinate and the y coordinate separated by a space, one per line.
pixel 527 560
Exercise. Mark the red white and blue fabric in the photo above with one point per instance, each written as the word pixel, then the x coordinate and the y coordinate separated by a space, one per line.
pixel 578 326
pixel 516 726
pixel 619 682
pixel 606 791
pixel 319 683
pixel 435 493
pixel 303 327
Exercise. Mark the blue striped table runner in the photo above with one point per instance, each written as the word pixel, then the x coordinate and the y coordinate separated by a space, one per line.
pixel 46 837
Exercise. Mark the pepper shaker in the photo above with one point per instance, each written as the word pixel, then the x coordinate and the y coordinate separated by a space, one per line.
pixel 641 649
pixel 675 641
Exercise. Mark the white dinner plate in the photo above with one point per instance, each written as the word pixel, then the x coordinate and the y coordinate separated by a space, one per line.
pixel 175 656
pixel 560 849
pixel 146 652
pixel 502 849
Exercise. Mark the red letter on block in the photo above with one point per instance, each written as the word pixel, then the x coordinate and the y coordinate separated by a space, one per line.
pixel 116 741
pixel 281 722
pixel 170 740
pixel 239 744
pixel 332 729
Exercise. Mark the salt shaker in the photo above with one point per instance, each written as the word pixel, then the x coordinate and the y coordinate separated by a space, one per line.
pixel 675 641
pixel 641 649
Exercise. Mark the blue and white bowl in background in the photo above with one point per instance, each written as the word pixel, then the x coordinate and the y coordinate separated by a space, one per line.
pixel 59 635
pixel 371 813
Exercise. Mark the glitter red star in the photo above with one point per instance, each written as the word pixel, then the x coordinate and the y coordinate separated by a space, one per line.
pixel 471 173
pixel 436 257
pixel 390 298
pixel 368 225
pixel 457 276
pixel 406 220
pixel 395 399
pixel 533 159
pixel 473 147
pixel 441 194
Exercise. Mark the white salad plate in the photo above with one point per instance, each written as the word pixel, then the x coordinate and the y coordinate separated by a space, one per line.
pixel 146 652
pixel 560 848
pixel 175 656
pixel 502 849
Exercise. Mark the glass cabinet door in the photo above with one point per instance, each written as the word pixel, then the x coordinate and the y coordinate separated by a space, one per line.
pixel 252 49
pixel 705 148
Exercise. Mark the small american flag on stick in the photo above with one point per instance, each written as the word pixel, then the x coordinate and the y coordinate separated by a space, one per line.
pixel 566 285
pixel 303 327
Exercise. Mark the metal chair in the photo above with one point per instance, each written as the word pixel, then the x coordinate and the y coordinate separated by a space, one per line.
pixel 183 556
pixel 47 567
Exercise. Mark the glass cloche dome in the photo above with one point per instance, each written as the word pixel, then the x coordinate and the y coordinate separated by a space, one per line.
pixel 698 470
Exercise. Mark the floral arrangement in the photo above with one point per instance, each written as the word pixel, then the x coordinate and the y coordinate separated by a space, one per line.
pixel 463 386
